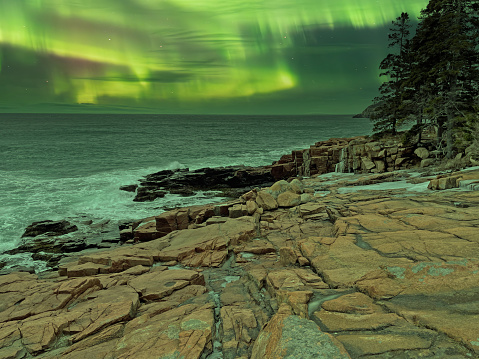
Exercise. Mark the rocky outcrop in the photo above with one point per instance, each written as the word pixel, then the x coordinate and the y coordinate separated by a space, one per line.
pixel 359 275
pixel 360 154
pixel 324 156
pixel 51 228
pixel 464 179
pixel 52 241
pixel 353 155
pixel 280 194
pixel 186 182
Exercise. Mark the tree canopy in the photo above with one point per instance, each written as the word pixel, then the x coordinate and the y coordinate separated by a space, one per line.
pixel 433 78
pixel 396 68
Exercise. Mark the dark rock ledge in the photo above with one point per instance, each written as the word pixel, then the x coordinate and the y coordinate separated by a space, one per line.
pixel 231 180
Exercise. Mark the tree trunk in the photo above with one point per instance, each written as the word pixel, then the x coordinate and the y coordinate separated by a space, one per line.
pixel 440 133
pixel 449 134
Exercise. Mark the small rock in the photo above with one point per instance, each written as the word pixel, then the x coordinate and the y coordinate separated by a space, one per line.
pixel 303 261
pixel 185 192
pixel 238 210
pixel 367 163
pixel 251 195
pixel 129 188
pixel 287 256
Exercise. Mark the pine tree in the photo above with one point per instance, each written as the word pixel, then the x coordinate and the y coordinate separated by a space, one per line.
pixel 396 68
pixel 444 79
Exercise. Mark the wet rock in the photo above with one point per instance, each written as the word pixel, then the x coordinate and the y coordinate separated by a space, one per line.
pixel 126 234
pixel 148 193
pixel 51 247
pixel 186 182
pixel 51 228
pixel 129 188
pixel 185 192
pixel 12 269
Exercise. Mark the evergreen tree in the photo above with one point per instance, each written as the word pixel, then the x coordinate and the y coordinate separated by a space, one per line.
pixel 396 67
pixel 444 78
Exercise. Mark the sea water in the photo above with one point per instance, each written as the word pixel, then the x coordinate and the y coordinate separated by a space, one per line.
pixel 71 166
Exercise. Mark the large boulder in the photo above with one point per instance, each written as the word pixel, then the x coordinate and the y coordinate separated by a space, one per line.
pixel 297 186
pixel 289 199
pixel 280 187
pixel 266 201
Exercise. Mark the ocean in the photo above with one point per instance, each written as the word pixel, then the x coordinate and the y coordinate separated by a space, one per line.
pixel 57 166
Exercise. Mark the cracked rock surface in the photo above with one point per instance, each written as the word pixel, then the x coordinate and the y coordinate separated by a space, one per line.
pixel 369 274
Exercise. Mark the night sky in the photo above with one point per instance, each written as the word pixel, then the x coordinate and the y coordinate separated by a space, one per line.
pixel 194 56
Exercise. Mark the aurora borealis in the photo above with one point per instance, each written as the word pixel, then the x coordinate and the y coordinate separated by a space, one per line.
pixel 194 56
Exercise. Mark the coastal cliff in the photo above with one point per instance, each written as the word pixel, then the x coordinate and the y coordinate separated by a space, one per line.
pixel 309 268
pixel 354 155
pixel 360 154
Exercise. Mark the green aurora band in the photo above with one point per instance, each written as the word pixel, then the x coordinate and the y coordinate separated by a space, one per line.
pixel 193 56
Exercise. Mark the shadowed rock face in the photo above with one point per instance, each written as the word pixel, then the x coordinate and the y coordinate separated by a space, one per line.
pixel 51 241
pixel 53 228
pixel 186 182
pixel 370 274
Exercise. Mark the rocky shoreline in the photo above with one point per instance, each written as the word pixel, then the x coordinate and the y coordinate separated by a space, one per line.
pixel 305 268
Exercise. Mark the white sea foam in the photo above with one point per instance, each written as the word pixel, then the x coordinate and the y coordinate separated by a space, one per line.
pixel 96 196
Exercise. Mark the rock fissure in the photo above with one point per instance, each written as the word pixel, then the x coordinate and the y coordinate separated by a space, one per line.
pixel 417 322
pixel 397 279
